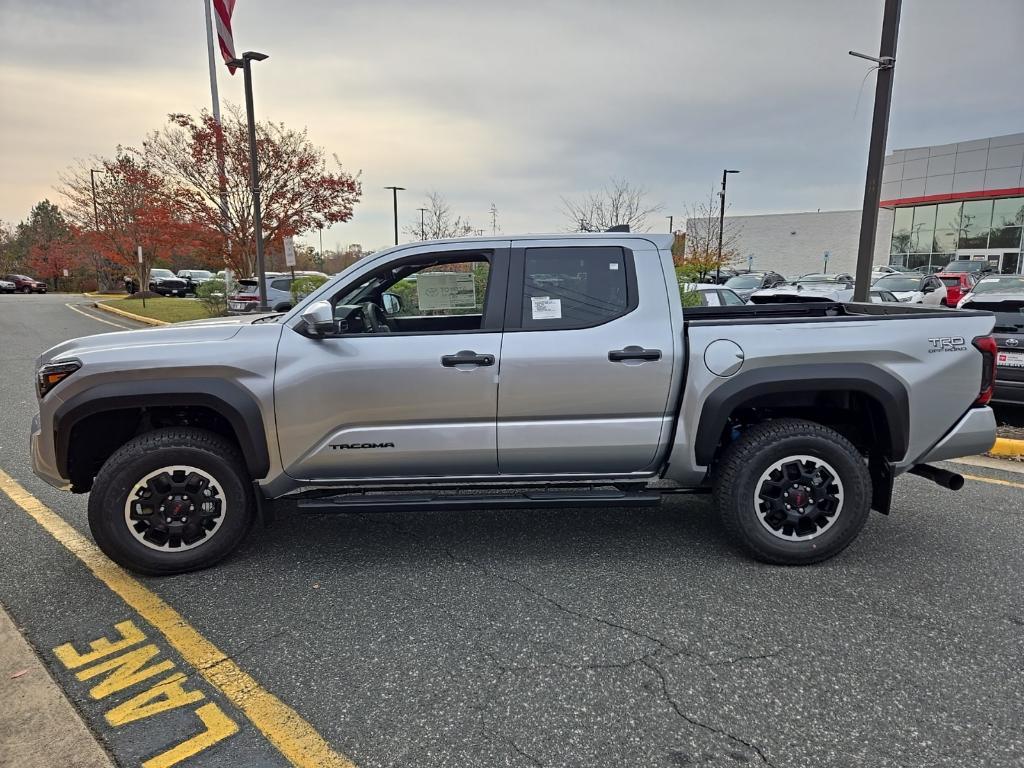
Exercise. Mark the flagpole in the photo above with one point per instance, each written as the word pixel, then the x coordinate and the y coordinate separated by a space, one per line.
pixel 215 96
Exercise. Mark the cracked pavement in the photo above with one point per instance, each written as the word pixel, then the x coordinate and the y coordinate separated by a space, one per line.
pixel 580 638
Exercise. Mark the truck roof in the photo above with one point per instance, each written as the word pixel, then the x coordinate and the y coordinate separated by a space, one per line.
pixel 662 240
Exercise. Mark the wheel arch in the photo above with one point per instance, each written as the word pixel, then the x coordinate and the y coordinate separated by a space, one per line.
pixel 796 390
pixel 123 404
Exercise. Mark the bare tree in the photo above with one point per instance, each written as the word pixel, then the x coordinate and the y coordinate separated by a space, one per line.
pixel 700 258
pixel 617 203
pixel 439 223
pixel 493 210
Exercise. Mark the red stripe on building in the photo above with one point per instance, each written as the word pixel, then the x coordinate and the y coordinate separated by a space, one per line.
pixel 952 197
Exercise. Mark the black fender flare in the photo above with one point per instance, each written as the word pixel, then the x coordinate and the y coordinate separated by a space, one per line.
pixel 867 379
pixel 227 398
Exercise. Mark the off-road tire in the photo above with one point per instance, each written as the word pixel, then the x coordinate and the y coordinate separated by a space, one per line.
pixel 204 450
pixel 758 448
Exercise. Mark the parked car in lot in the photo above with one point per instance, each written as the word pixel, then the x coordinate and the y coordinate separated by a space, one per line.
pixel 813 287
pixel 958 285
pixel 712 295
pixel 166 283
pixel 194 278
pixel 1004 296
pixel 993 284
pixel 912 288
pixel 247 295
pixel 7 286
pixel 975 268
pixel 26 284
pixel 611 394
pixel 745 284
pixel 881 270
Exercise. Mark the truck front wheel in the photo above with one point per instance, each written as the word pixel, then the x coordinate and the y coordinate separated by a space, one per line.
pixel 171 501
pixel 793 492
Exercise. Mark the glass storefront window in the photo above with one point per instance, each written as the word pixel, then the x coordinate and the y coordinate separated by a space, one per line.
pixel 923 229
pixel 977 217
pixel 1004 237
pixel 1007 218
pixel 902 220
pixel 946 240
pixel 948 216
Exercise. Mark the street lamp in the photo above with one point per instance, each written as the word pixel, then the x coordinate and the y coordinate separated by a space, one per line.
pixel 669 223
pixel 721 225
pixel 394 194
pixel 423 227
pixel 254 171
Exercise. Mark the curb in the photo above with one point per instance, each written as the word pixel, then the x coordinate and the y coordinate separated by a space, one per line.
pixel 129 315
pixel 1006 447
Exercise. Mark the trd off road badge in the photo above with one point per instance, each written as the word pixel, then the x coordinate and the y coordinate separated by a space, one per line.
pixel 947 344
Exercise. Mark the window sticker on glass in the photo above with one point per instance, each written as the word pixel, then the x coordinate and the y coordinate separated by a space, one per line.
pixel 445 290
pixel 545 308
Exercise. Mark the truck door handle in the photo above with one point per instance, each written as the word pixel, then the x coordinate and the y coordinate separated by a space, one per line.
pixel 466 357
pixel 634 353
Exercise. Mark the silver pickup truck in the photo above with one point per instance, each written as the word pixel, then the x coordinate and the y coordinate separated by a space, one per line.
pixel 539 371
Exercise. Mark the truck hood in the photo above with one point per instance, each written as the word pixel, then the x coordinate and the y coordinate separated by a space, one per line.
pixel 192 332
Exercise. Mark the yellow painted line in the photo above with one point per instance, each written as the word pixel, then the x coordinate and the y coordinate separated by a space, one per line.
pixel 993 480
pixel 1006 447
pixel 97 319
pixel 296 739
pixel 130 315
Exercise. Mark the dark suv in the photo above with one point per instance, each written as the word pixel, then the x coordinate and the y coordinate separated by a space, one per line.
pixel 746 283
pixel 26 284
pixel 1004 295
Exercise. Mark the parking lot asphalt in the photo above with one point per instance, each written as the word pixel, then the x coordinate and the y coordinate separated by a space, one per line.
pixel 550 638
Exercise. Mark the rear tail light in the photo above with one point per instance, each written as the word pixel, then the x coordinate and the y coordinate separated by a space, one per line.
pixel 245 297
pixel 987 346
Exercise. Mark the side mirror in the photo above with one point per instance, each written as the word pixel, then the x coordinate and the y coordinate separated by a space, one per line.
pixel 392 304
pixel 319 318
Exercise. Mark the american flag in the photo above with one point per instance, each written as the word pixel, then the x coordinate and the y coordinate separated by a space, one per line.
pixel 222 13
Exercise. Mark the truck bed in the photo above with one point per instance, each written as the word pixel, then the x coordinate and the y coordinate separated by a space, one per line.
pixel 816 311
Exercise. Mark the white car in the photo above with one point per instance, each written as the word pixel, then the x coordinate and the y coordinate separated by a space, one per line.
pixel 994 284
pixel 710 295
pixel 912 288
pixel 6 286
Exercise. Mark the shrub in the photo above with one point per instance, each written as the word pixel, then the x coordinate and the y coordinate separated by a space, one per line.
pixel 213 295
pixel 304 285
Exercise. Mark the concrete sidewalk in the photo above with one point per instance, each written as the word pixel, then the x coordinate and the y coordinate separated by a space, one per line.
pixel 39 728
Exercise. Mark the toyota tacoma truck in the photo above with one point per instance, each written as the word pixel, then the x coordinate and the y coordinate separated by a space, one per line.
pixel 540 371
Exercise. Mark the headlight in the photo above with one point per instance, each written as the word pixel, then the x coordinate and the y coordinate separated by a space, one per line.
pixel 52 374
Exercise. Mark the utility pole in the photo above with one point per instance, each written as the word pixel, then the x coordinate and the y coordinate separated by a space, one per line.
pixel 96 221
pixel 721 226
pixel 394 194
pixel 423 226
pixel 886 62
pixel 254 172
pixel 494 219
pixel 670 219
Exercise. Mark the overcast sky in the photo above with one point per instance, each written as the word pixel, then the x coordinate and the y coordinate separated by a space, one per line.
pixel 519 103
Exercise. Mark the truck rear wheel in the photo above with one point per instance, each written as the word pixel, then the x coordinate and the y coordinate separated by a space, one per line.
pixel 171 501
pixel 793 492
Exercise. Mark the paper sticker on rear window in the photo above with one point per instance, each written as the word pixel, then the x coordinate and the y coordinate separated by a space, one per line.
pixel 545 308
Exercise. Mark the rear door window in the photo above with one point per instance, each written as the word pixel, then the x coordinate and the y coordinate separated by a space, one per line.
pixel 576 287
pixel 285 284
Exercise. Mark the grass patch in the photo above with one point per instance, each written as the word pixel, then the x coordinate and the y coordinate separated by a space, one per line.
pixel 170 310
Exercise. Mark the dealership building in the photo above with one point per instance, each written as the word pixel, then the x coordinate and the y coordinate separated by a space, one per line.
pixel 952 201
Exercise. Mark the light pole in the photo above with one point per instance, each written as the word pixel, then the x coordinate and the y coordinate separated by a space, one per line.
pixel 825 268
pixel 254 171
pixel 394 194
pixel 750 263
pixel 423 227
pixel 670 218
pixel 886 62
pixel 721 226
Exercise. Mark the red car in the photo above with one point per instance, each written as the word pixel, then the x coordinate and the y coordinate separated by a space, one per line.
pixel 958 285
pixel 25 284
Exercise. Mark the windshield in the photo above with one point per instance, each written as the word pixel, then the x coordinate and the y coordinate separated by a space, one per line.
pixel 743 281
pixel 1009 314
pixel 899 283
pixel 160 273
pixel 965 266
pixel 200 273
pixel 1000 285
pixel 951 282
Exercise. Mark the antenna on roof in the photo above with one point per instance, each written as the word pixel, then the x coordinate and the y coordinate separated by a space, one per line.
pixel 618 228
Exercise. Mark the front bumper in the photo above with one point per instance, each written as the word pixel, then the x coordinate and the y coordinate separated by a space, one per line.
pixel 44 462
pixel 975 433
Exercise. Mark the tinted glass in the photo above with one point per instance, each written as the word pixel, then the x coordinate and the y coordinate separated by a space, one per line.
pixel 160 273
pixel 709 299
pixel 903 219
pixel 950 282
pixel 573 287
pixel 946 240
pixel 977 217
pixel 281 285
pixel 744 281
pixel 1000 285
pixel 898 283
pixel 923 229
pixel 446 290
pixel 948 216
pixel 730 299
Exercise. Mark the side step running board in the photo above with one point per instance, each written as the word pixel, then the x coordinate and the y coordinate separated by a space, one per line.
pixel 522 500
